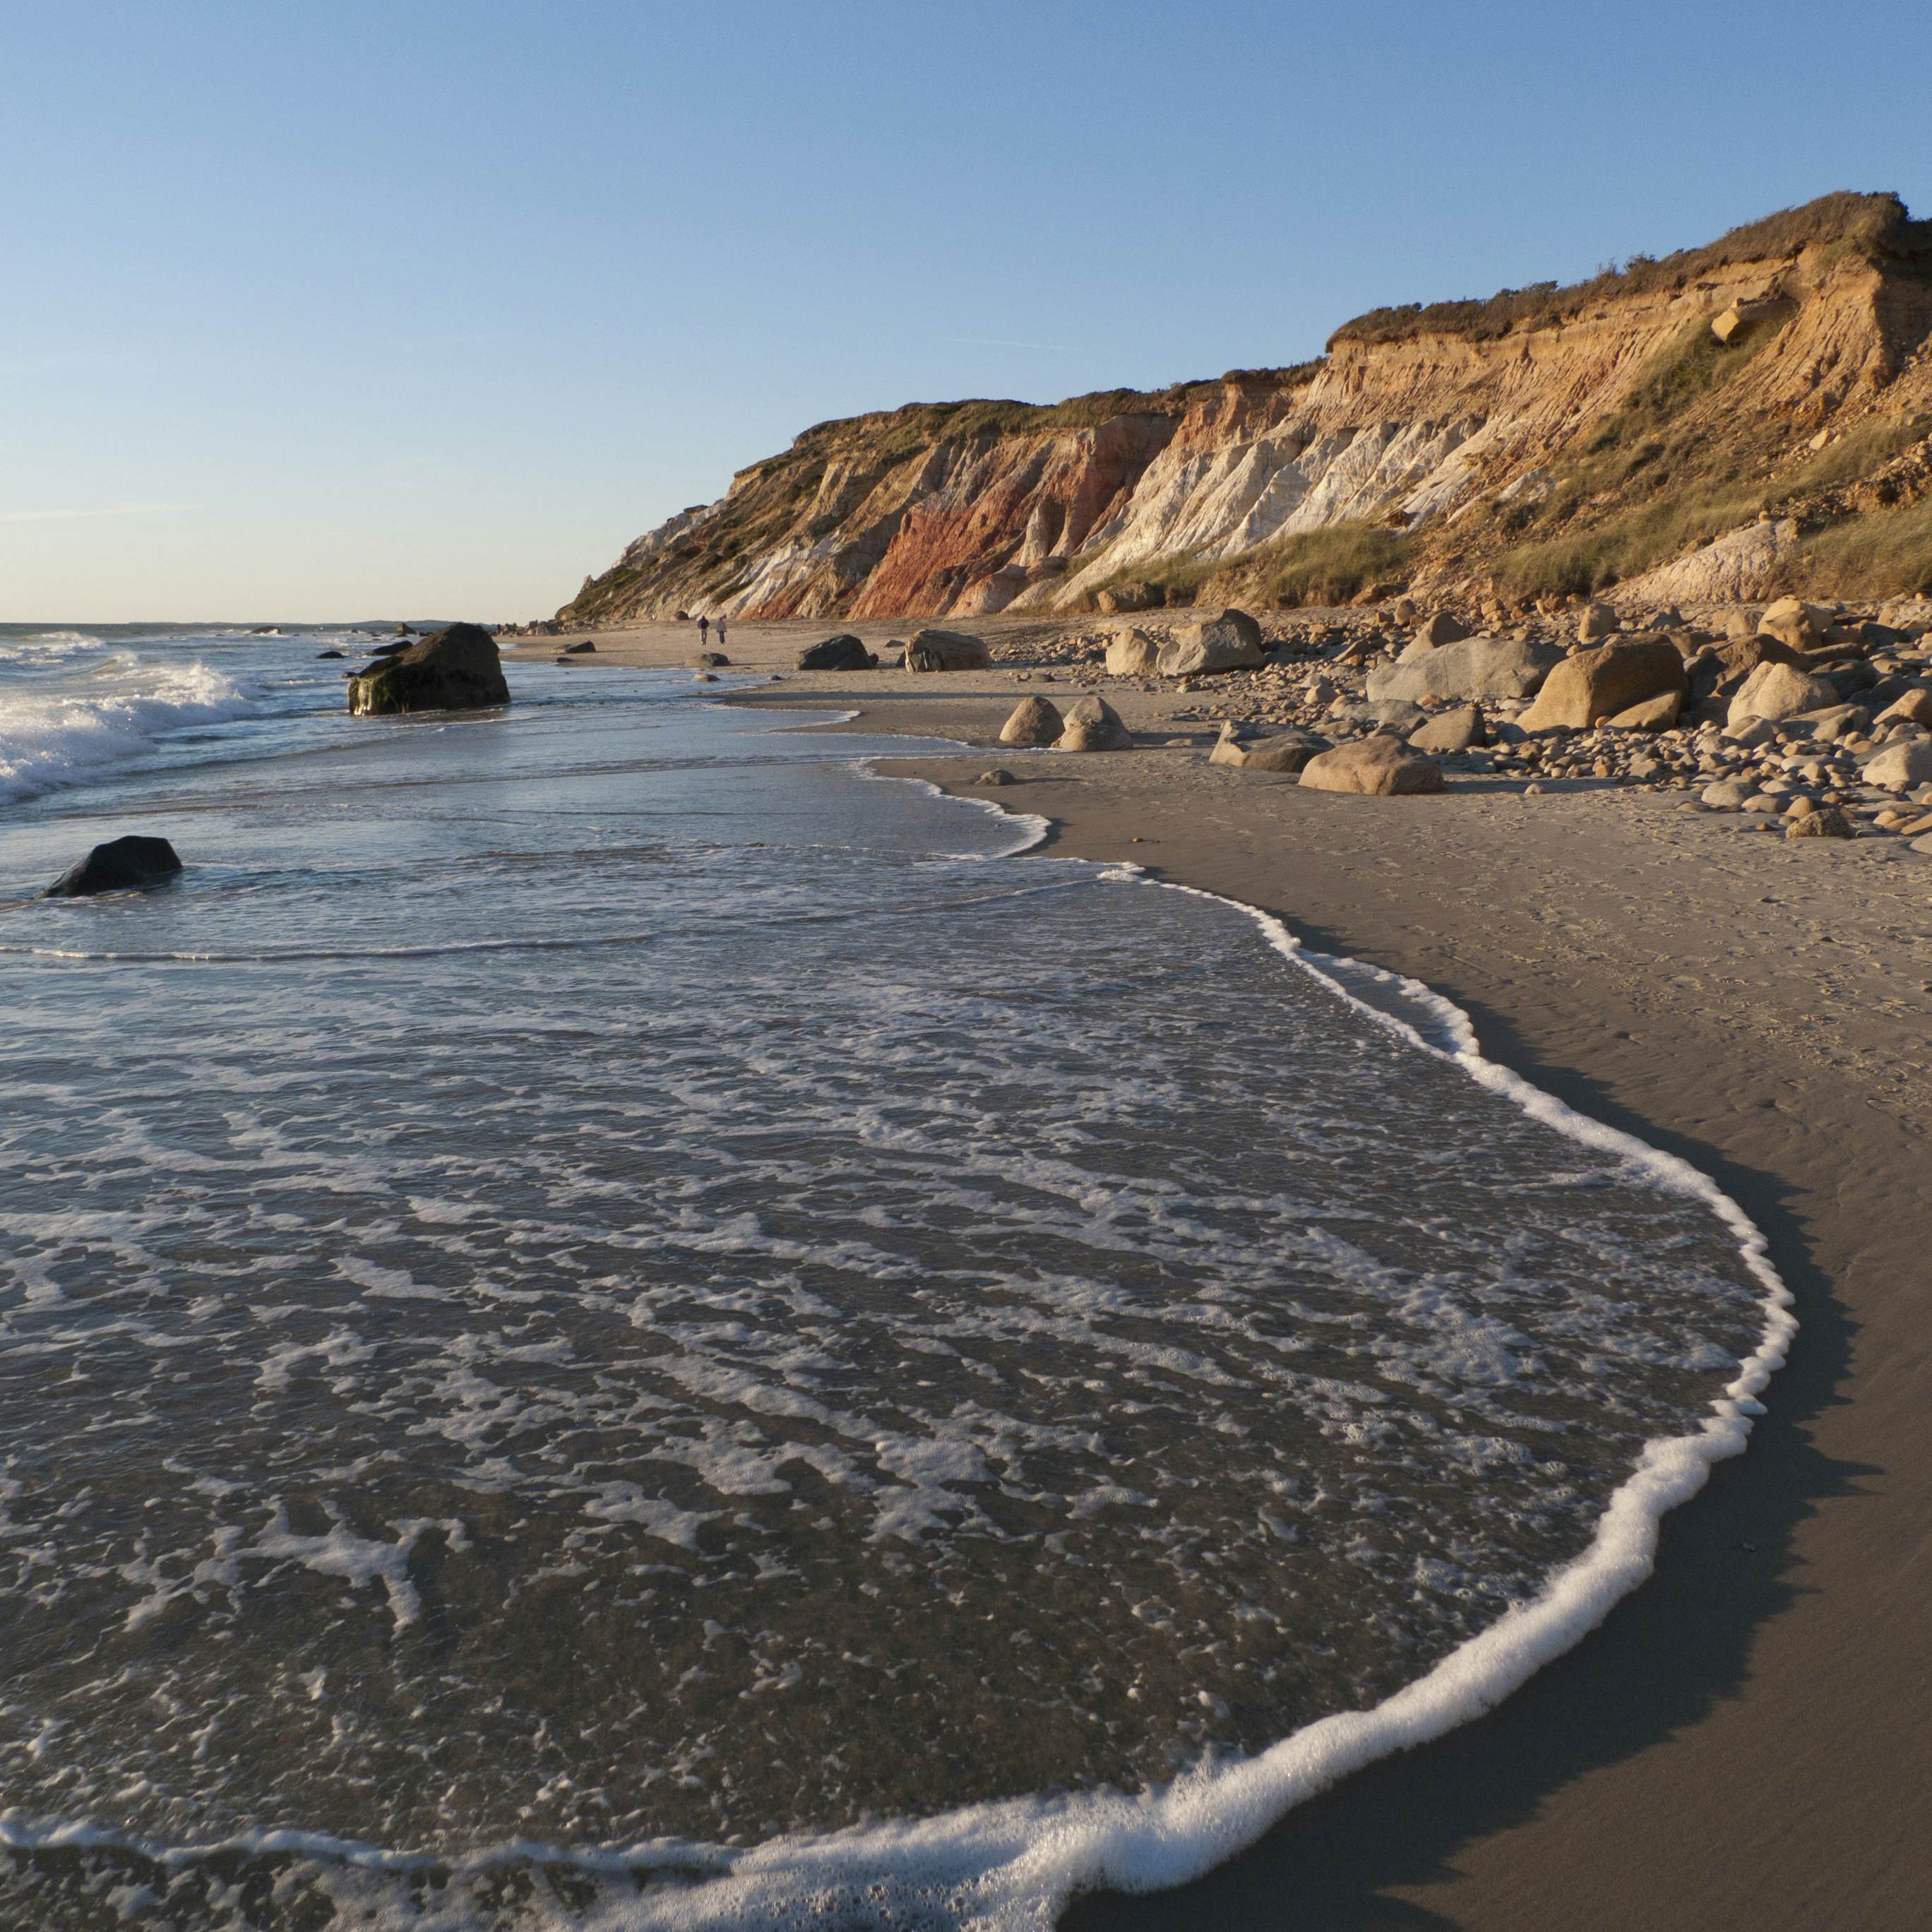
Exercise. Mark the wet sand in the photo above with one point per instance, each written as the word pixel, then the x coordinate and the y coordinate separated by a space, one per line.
pixel 1746 1741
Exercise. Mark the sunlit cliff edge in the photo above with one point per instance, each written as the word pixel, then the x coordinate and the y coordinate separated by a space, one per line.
pixel 1731 421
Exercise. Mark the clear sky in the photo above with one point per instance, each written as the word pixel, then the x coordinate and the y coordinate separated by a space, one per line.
pixel 347 308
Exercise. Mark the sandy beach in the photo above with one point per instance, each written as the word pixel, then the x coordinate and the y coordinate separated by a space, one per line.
pixel 1745 1741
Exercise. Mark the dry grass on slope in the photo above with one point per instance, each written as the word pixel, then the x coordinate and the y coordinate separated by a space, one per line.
pixel 1886 553
pixel 1867 227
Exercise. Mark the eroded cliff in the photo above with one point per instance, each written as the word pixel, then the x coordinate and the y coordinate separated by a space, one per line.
pixel 1747 416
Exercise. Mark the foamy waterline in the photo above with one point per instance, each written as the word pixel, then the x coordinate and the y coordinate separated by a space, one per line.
pixel 1013 1863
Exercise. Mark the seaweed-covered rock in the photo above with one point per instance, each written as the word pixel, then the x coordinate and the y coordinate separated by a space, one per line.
pixel 454 669
pixel 121 863
pixel 946 650
pixel 843 653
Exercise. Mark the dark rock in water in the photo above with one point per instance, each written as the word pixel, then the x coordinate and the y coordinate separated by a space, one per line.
pixel 403 631
pixel 320 654
pixel 710 661
pixel 577 650
pixel 843 653
pixel 454 670
pixel 389 650
pixel 119 864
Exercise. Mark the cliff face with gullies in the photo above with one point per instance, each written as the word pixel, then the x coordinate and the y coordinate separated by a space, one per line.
pixel 1729 421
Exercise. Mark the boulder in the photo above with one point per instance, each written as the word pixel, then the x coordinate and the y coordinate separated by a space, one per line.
pixel 1381 765
pixel 1442 628
pixel 1471 668
pixel 946 650
pixel 1455 730
pixel 1133 654
pixel 1793 621
pixel 1594 684
pixel 843 653
pixel 1036 721
pixel 457 669
pixel 1652 714
pixel 1287 751
pixel 1093 725
pixel 578 650
pixel 116 866
pixel 1599 621
pixel 1728 794
pixel 709 661
pixel 1404 610
pixel 998 775
pixel 1898 767
pixel 328 654
pixel 1741 656
pixel 1827 822
pixel 1914 708
pixel 1230 642
pixel 1842 720
pixel 1775 691
pixel 1118 597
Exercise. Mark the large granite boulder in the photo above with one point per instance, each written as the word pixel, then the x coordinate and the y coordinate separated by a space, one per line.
pixel 1901 766
pixel 1590 686
pixel 1468 669
pixel 1232 641
pixel 1093 725
pixel 117 866
pixel 1278 751
pixel 1133 654
pixel 843 653
pixel 1776 691
pixel 1380 766
pixel 946 650
pixel 454 669
pixel 1458 730
pixel 1036 721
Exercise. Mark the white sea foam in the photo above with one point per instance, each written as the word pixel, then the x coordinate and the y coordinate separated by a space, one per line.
pixel 1010 1864
pixel 53 738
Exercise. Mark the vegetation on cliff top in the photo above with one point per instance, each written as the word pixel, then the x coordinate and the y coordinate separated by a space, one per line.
pixel 1864 227
pixel 918 426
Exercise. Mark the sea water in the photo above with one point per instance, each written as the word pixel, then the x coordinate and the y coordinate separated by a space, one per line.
pixel 610 1321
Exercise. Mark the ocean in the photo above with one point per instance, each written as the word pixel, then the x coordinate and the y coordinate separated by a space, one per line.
pixel 611 1320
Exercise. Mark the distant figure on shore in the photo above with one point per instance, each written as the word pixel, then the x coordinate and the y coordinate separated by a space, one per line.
pixel 721 633
pixel 703 625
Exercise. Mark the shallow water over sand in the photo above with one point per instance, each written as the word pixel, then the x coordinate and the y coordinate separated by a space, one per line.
pixel 595 1276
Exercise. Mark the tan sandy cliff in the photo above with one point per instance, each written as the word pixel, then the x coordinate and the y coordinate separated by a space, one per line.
pixel 1727 422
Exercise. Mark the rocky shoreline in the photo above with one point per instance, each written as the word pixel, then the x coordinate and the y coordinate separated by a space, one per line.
pixel 1808 720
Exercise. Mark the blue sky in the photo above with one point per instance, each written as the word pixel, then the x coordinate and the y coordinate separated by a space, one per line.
pixel 332 309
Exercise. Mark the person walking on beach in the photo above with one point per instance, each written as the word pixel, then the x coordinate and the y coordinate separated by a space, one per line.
pixel 703 625
pixel 719 633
